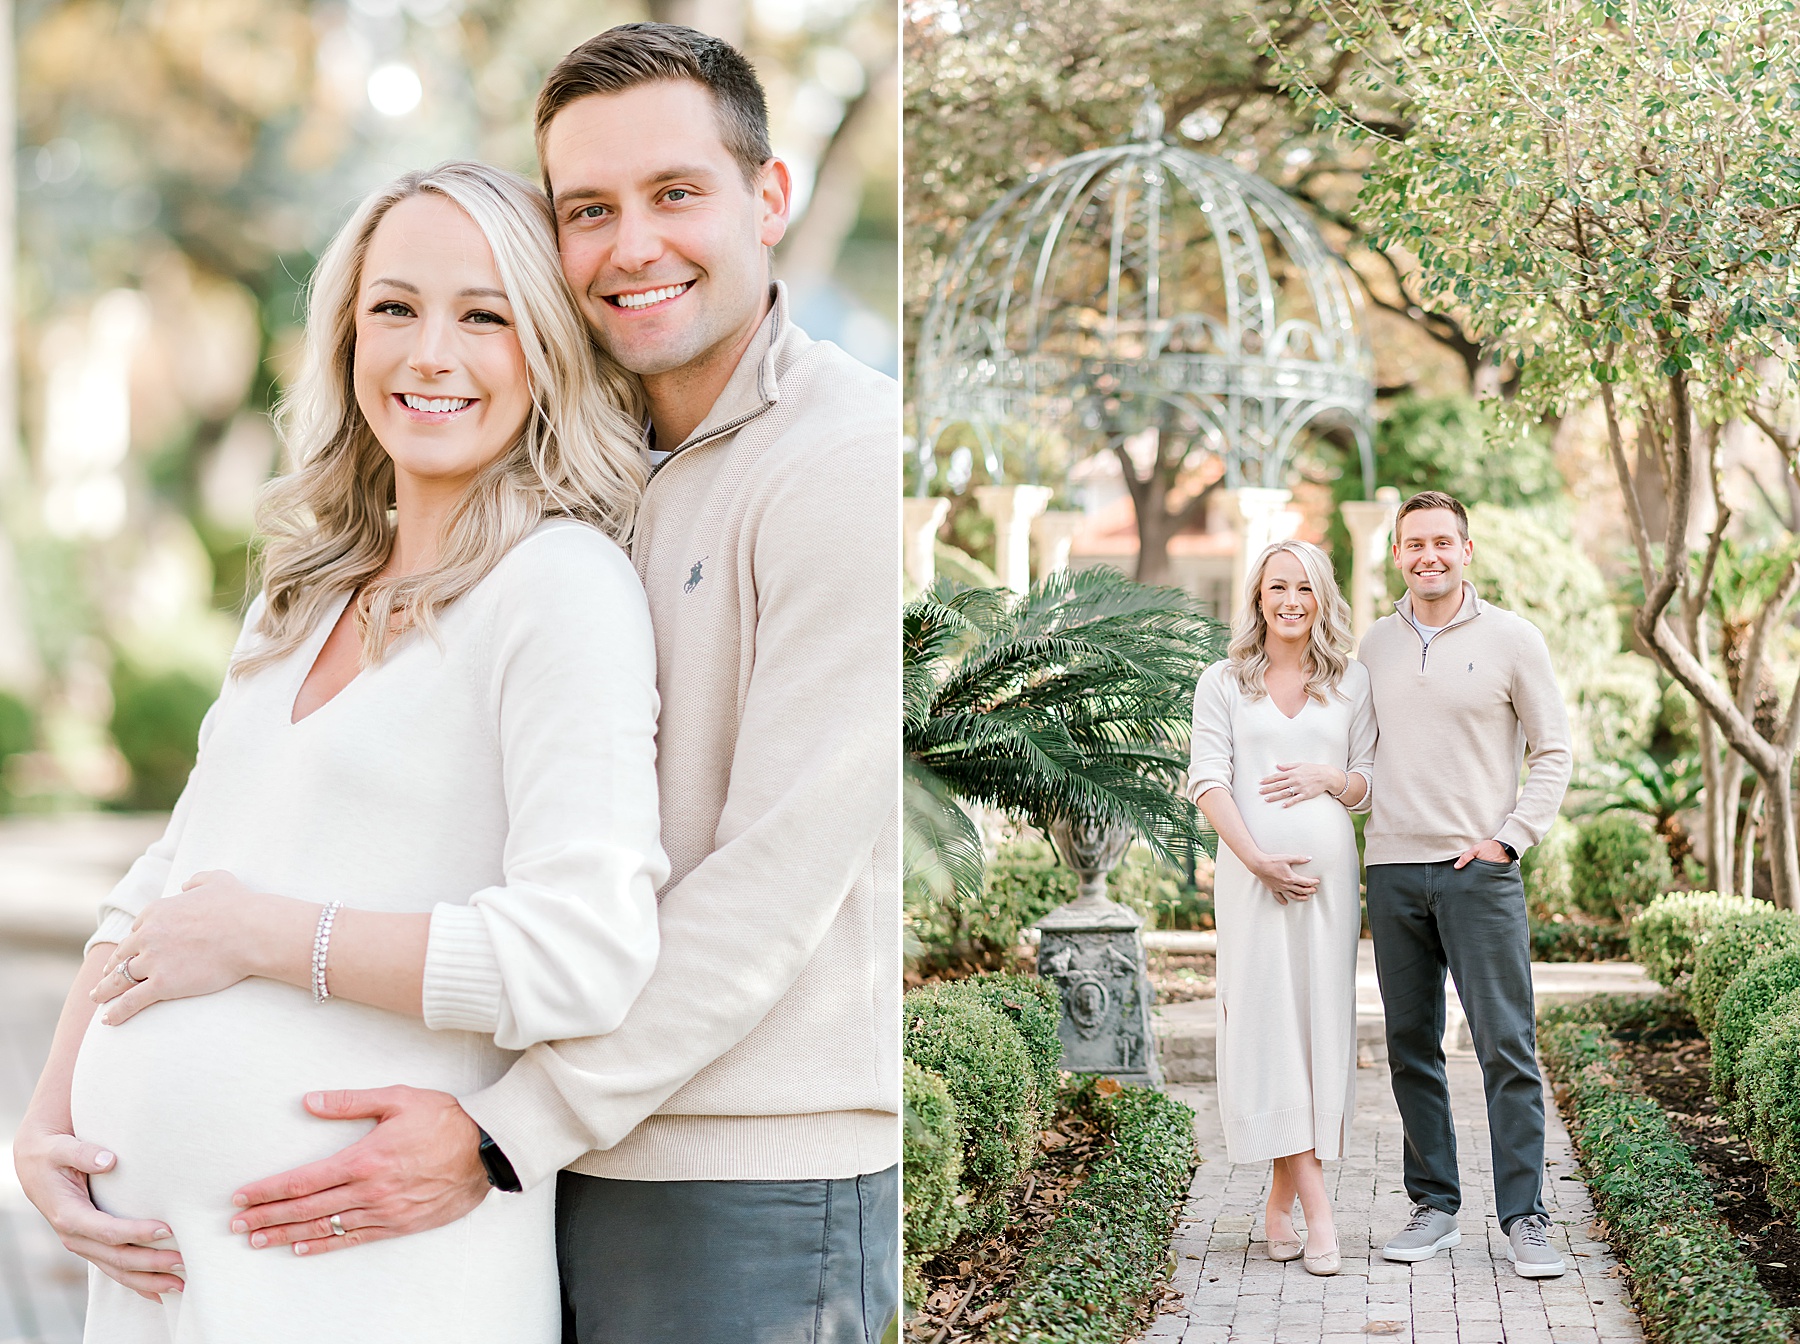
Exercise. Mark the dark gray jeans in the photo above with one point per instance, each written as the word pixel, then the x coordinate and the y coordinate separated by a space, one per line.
pixel 728 1262
pixel 1424 917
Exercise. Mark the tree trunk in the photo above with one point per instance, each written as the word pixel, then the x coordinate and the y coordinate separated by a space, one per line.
pixel 1784 856
pixel 1712 796
pixel 1744 880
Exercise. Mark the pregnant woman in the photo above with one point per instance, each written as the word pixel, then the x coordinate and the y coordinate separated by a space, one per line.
pixel 421 834
pixel 1284 734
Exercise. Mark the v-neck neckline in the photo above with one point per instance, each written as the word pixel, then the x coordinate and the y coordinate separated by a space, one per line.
pixel 311 661
pixel 1305 700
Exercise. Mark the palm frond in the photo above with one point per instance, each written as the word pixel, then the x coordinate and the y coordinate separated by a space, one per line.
pixel 942 845
pixel 1072 700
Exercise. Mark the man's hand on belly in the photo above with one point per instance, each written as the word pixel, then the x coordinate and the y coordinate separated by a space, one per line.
pixel 53 1169
pixel 419 1168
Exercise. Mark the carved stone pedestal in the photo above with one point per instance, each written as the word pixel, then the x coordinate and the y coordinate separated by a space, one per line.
pixel 1091 949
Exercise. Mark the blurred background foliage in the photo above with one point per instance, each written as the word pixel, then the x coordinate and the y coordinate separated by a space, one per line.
pixel 178 165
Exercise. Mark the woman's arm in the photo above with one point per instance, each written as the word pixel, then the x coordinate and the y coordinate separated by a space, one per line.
pixel 215 932
pixel 53 1165
pixel 1296 781
pixel 1274 871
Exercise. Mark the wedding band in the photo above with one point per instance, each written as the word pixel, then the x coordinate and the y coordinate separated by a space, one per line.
pixel 337 1225
pixel 124 969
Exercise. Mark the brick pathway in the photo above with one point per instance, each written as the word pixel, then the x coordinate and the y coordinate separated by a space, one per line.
pixel 1231 1290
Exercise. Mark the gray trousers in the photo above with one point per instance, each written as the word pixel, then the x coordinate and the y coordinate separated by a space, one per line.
pixel 728 1262
pixel 1425 917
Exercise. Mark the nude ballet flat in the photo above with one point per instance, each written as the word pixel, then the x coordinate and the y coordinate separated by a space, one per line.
pixel 1285 1250
pixel 1323 1265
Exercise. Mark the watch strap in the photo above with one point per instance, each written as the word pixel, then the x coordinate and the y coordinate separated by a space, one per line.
pixel 499 1168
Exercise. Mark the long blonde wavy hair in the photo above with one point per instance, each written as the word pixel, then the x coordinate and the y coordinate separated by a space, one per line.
pixel 328 524
pixel 1327 647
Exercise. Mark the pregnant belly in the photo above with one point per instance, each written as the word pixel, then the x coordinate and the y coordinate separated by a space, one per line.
pixel 200 1096
pixel 1318 826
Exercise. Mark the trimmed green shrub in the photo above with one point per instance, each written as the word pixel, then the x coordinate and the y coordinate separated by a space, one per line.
pixel 1034 1007
pixel 1768 1099
pixel 931 1167
pixel 1083 1281
pixel 1617 866
pixel 983 1061
pixel 1689 1280
pixel 1666 935
pixel 156 722
pixel 1732 945
pixel 1747 1002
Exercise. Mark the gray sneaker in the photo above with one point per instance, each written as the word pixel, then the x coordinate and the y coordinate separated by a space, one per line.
pixel 1528 1247
pixel 1426 1233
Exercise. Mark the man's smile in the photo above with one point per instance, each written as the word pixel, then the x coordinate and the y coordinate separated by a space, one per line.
pixel 637 300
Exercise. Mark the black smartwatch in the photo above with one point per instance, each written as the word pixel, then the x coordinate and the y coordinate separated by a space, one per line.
pixel 500 1172
pixel 1511 853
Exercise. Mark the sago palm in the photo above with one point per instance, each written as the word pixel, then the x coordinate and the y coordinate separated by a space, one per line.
pixel 1072 700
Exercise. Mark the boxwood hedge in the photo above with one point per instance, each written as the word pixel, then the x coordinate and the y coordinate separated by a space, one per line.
pixel 1730 945
pixel 1688 1275
pixel 1748 1002
pixel 1083 1281
pixel 1034 1007
pixel 1668 932
pixel 1768 1100
pixel 931 1158
pixel 990 1076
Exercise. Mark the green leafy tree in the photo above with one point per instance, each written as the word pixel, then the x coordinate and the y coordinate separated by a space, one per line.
pixel 1073 700
pixel 1606 192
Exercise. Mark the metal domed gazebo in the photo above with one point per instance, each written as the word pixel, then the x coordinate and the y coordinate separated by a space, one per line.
pixel 1146 286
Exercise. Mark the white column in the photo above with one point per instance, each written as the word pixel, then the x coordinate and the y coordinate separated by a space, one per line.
pixel 1054 532
pixel 1012 507
pixel 920 520
pixel 1263 518
pixel 1370 522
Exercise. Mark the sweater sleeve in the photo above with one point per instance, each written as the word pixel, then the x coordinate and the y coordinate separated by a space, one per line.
pixel 145 880
pixel 565 944
pixel 1537 700
pixel 814 779
pixel 1363 732
pixel 1209 760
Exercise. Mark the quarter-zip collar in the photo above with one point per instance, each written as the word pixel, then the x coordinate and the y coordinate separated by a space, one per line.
pixel 753 387
pixel 1472 606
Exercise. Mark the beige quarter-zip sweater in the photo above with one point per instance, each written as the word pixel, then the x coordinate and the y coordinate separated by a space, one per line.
pixel 1456 721
pixel 766 1044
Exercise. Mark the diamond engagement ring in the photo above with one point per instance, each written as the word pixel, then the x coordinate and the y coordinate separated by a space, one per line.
pixel 337 1225
pixel 124 969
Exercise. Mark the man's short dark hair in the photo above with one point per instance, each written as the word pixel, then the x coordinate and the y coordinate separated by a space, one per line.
pixel 1433 499
pixel 631 54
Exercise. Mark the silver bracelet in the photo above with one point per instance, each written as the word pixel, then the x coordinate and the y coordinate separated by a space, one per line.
pixel 1339 795
pixel 321 946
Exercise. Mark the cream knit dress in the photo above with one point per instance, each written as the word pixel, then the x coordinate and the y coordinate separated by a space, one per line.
pixel 1286 973
pixel 502 779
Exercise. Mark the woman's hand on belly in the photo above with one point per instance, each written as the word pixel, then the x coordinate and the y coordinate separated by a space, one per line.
pixel 1300 780
pixel 204 938
pixel 1276 872
pixel 53 1168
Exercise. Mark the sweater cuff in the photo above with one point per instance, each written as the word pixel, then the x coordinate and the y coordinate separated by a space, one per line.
pixel 114 925
pixel 462 989
pixel 530 1120
pixel 1513 833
